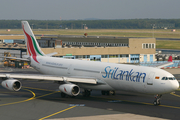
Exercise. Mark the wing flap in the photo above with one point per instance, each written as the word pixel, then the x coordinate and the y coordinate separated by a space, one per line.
pixel 83 80
pixel 50 78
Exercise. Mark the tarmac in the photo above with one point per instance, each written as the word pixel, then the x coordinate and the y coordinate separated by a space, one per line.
pixel 173 70
pixel 128 106
pixel 126 116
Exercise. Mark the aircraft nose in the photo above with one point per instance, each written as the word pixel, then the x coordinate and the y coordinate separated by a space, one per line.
pixel 175 85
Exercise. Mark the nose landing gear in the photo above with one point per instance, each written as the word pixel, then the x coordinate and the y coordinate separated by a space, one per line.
pixel 157 100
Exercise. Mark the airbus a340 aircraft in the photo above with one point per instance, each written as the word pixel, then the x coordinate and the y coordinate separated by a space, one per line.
pixel 75 74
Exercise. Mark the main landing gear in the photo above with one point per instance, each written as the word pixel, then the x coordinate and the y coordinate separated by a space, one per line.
pixel 86 93
pixel 111 92
pixel 157 100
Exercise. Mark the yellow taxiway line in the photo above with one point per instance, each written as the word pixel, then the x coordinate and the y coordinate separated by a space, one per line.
pixel 39 89
pixel 34 95
pixel 57 113
pixel 175 94
pixel 144 102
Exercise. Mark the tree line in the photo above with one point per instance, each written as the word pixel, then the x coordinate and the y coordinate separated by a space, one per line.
pixel 94 24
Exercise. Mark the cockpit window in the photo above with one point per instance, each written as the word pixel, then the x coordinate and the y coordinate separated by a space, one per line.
pixel 165 78
pixel 168 78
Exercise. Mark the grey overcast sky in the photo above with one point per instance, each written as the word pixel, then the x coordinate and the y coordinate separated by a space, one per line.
pixel 82 9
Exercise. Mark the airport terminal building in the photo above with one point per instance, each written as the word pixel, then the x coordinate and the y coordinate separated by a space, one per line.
pixel 104 49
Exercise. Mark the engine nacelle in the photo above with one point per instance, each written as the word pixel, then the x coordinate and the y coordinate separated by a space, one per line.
pixel 70 89
pixel 11 84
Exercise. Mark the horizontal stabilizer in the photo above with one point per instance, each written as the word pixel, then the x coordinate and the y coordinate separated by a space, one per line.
pixel 51 54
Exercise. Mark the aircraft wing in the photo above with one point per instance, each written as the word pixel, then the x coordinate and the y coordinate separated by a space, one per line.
pixel 161 65
pixel 50 78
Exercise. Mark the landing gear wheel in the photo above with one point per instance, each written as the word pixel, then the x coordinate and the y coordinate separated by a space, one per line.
pixel 63 95
pixel 86 93
pixel 157 100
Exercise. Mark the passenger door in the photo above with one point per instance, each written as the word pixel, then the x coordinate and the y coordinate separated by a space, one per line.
pixel 69 70
pixel 150 78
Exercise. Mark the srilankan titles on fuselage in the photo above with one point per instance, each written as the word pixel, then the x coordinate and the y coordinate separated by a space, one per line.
pixel 117 73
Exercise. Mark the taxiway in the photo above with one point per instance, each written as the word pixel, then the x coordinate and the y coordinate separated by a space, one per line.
pixel 42 100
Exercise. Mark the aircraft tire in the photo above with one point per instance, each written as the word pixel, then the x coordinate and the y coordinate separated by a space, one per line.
pixel 157 102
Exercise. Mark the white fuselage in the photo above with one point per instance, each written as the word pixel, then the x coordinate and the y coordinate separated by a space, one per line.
pixel 110 76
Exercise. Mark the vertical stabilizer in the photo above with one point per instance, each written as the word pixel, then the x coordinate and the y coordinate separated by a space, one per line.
pixel 170 59
pixel 31 42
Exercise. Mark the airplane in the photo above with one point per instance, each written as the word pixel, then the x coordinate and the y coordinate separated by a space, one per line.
pixel 73 74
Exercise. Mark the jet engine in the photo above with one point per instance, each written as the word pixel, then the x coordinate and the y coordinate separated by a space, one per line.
pixel 11 84
pixel 70 89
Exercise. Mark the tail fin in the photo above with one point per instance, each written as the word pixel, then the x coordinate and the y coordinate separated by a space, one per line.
pixel 31 42
pixel 170 59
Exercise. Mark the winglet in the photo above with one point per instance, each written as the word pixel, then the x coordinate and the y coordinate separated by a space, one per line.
pixel 170 59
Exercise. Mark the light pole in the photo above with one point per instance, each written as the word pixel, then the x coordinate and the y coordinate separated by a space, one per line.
pixel 32 25
pixel 153 26
pixel 84 27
